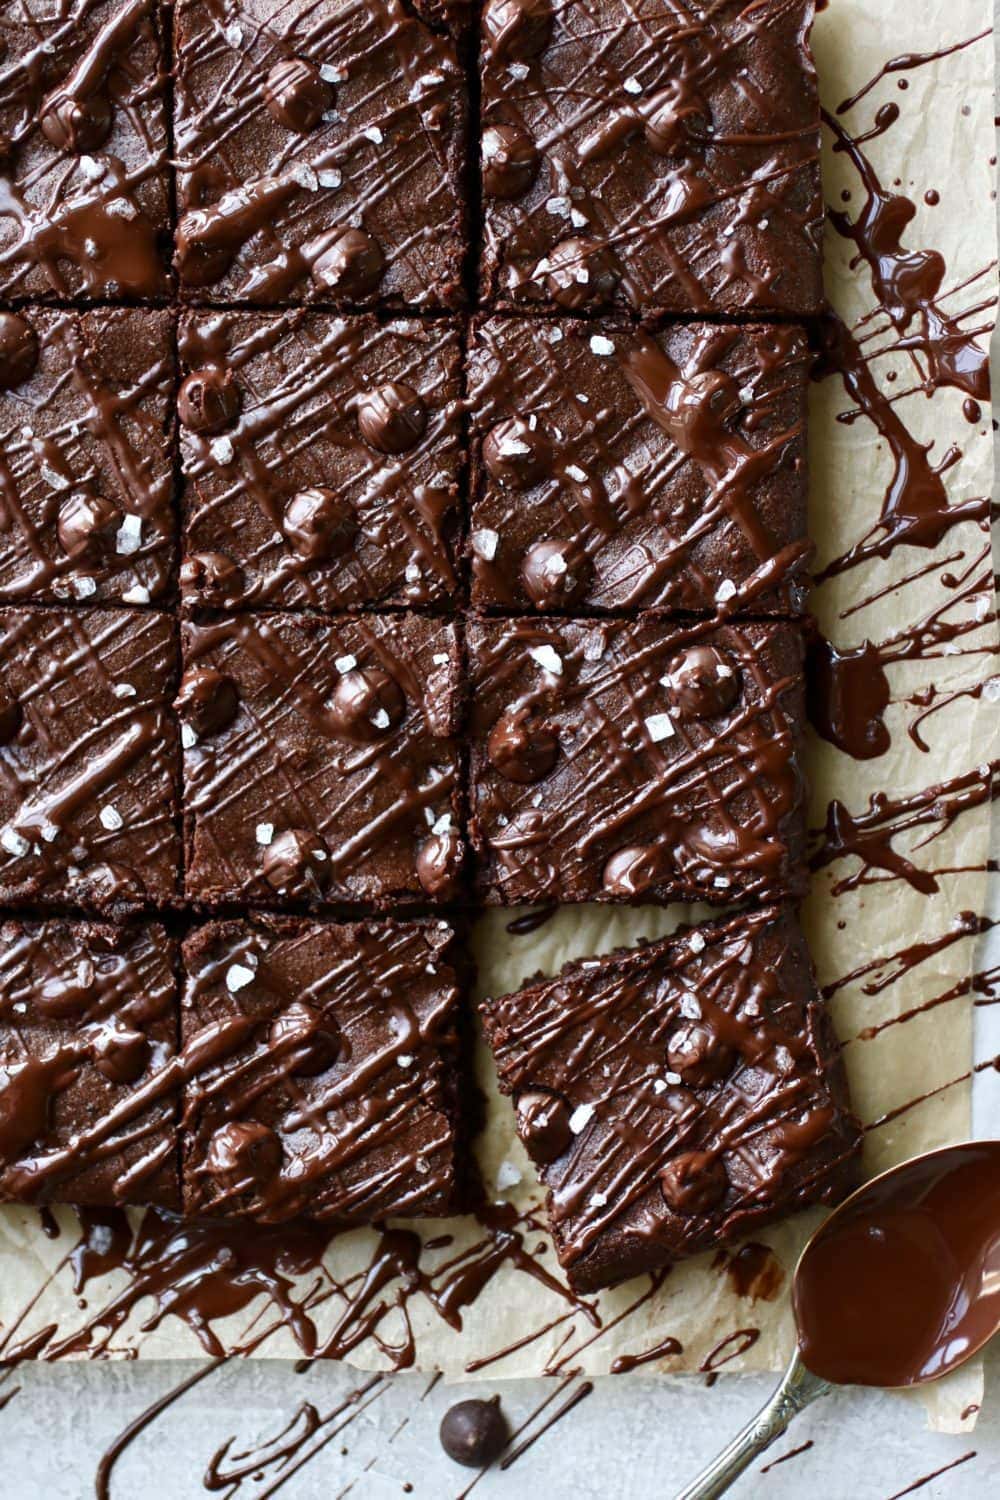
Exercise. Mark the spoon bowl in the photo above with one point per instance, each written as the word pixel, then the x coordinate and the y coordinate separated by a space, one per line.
pixel 898 1286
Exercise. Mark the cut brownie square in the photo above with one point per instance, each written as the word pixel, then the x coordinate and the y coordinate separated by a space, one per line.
pixel 622 761
pixel 328 1083
pixel 321 459
pixel 676 1096
pixel 320 152
pixel 616 470
pixel 320 763
pixel 88 1031
pixel 89 761
pixel 661 157
pixel 83 150
pixel 86 417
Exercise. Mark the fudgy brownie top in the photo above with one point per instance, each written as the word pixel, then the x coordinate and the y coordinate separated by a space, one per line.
pixel 616 470
pixel 320 759
pixel 88 1029
pixel 320 147
pixel 83 147
pixel 326 1077
pixel 662 157
pixel 321 459
pixel 676 1095
pixel 89 761
pixel 625 760
pixel 86 415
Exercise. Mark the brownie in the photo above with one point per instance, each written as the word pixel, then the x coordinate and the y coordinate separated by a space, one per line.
pixel 88 1092
pixel 89 762
pixel 321 459
pixel 615 470
pixel 621 760
pixel 320 150
pixel 664 158
pixel 678 1095
pixel 86 416
pixel 328 1081
pixel 320 763
pixel 83 150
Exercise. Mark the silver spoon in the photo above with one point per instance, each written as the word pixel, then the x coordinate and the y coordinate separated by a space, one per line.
pixel 900 1285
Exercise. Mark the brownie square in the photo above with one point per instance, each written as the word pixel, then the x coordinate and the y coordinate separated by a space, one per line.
pixel 86 417
pixel 321 459
pixel 661 157
pixel 320 763
pixel 677 1096
pixel 615 470
pixel 329 1085
pixel 622 761
pixel 320 150
pixel 88 1031
pixel 89 762
pixel 83 150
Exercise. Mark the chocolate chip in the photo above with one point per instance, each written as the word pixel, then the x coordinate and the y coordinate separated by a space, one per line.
pixel 517 454
pixel 510 161
pixel 120 1054
pixel 698 1056
pixel 693 1183
pixel 308 1042
pixel 474 1433
pixel 522 746
pixel 297 863
pixel 579 272
pixel 87 526
pixel 199 264
pixel 75 125
pixel 516 30
pixel 543 1124
pixel 319 525
pixel 670 117
pixel 703 682
pixel 296 95
pixel 11 716
pixel 366 705
pixel 212 577
pixel 208 400
pixel 630 871
pixel 438 862
pixel 207 700
pixel 555 574
pixel 392 418
pixel 18 351
pixel 243 1154
pixel 350 265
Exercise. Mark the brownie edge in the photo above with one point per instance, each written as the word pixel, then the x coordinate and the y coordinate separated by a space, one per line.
pixel 677 1095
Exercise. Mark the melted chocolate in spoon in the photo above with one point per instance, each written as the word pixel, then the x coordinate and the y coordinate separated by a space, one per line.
pixel 899 1286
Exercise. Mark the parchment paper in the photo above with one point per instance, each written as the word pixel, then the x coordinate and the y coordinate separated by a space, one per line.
pixel 943 140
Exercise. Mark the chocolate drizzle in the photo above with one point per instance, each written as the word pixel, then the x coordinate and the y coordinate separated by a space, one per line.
pixel 676 172
pixel 652 1165
pixel 83 182
pixel 303 427
pixel 636 797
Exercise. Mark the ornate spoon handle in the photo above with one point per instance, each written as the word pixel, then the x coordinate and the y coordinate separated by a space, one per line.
pixel 798 1388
